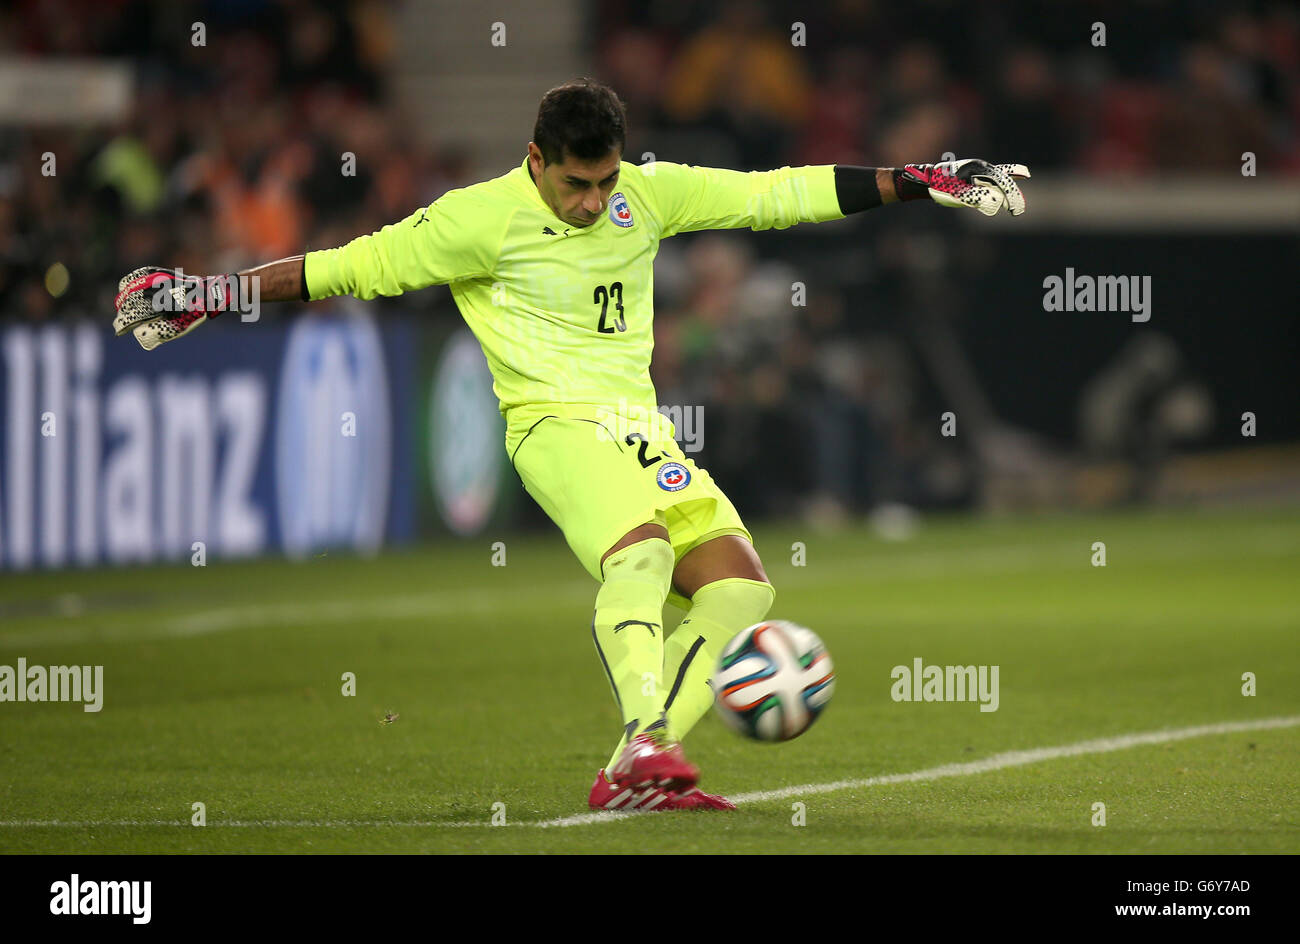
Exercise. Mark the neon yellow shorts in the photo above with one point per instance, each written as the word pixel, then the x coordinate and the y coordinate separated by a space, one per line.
pixel 598 475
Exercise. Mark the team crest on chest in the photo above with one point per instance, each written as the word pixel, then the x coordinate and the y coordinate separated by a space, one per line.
pixel 620 214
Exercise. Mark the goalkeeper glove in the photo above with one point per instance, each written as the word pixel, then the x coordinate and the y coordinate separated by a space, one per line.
pixel 159 305
pixel 969 183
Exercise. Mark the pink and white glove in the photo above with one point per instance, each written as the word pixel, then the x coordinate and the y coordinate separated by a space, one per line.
pixel 159 305
pixel 967 183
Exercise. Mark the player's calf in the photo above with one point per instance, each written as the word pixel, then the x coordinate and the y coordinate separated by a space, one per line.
pixel 718 611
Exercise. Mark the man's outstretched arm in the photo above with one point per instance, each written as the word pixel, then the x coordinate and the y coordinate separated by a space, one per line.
pixel 970 183
pixel 688 199
pixel 455 237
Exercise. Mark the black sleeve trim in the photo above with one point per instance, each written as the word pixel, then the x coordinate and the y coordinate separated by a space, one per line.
pixel 855 188
pixel 304 294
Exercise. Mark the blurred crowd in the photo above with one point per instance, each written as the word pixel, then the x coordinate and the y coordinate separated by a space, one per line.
pixel 1179 85
pixel 852 381
pixel 234 152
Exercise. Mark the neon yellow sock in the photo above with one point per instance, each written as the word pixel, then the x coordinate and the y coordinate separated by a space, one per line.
pixel 718 611
pixel 628 629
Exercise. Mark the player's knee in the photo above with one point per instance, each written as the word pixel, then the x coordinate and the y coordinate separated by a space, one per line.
pixel 646 561
pixel 651 529
pixel 743 601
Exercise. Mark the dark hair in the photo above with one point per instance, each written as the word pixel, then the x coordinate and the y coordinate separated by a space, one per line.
pixel 581 119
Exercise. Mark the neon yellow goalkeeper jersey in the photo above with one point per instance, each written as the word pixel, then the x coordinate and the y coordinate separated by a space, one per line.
pixel 564 313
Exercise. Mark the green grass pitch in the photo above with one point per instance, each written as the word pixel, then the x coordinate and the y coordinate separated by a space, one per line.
pixel 223 686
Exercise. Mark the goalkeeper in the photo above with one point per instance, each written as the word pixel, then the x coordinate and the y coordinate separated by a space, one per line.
pixel 551 266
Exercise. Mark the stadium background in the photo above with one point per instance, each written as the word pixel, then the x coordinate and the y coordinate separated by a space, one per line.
pixel 342 464
pixel 218 156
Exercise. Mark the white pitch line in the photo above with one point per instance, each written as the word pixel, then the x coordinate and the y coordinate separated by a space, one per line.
pixel 995 762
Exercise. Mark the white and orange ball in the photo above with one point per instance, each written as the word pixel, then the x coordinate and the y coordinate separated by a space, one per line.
pixel 773 680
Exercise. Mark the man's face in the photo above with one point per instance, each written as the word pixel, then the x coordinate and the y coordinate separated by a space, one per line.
pixel 577 191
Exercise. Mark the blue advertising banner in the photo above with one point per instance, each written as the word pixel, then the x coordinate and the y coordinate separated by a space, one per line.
pixel 288 437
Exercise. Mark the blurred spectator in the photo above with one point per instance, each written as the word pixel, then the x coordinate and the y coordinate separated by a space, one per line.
pixel 1140 405
pixel 742 77
pixel 1209 126
pixel 838 124
pixel 1024 116
pixel 913 78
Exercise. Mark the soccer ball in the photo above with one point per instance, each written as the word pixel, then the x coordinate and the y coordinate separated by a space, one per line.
pixel 773 680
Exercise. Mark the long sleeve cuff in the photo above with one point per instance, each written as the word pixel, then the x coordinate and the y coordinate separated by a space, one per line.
pixel 856 189
pixel 317 275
